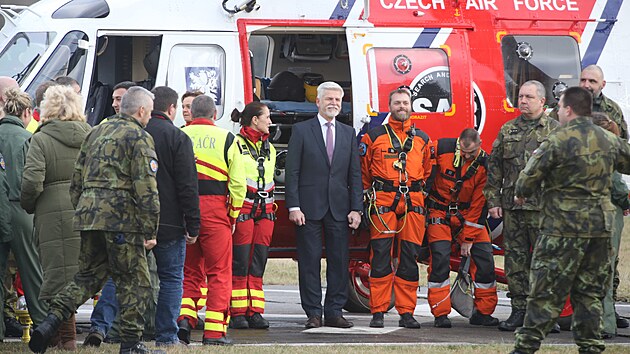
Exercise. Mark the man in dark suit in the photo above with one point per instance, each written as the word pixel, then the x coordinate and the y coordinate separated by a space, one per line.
pixel 323 194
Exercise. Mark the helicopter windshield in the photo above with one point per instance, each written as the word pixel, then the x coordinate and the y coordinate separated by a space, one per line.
pixel 23 52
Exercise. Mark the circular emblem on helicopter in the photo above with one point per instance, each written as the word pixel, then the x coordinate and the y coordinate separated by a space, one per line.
pixel 402 64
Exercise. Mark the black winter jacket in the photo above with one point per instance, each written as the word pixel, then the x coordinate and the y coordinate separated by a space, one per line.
pixel 176 179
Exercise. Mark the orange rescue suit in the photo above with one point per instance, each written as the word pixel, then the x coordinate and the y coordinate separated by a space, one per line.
pixel 395 162
pixel 457 212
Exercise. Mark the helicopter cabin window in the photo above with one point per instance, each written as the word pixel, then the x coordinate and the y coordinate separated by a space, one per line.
pixel 288 70
pixel 68 59
pixel 83 9
pixel 424 71
pixel 198 68
pixel 23 52
pixel 552 60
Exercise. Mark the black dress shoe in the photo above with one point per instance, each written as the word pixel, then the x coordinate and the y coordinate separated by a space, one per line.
pixel 239 322
pixel 256 321
pixel 606 335
pixel 555 328
pixel 184 331
pixel 513 322
pixel 479 319
pixel 313 322
pixel 621 322
pixel 217 341
pixel 442 322
pixel 44 333
pixel 407 321
pixel 338 322
pixel 378 320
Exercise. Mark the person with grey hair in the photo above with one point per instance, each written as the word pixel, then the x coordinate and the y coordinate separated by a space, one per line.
pixel 324 197
pixel 516 141
pixel 114 193
pixel 222 190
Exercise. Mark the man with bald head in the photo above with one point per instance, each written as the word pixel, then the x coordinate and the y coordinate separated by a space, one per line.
pixel 592 79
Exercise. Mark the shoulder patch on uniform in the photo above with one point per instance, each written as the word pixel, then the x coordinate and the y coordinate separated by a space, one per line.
pixel 362 149
pixel 2 164
pixel 153 164
pixel 422 135
pixel 446 145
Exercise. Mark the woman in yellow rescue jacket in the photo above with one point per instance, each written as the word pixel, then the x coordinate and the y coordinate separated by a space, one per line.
pixel 254 225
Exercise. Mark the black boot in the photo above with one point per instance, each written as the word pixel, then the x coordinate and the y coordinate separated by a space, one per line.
pixel 442 322
pixel 513 322
pixel 239 322
pixel 407 321
pixel 479 319
pixel 565 322
pixel 184 331
pixel 44 333
pixel 378 320
pixel 217 341
pixel 137 348
pixel 13 328
pixel 256 321
pixel 621 322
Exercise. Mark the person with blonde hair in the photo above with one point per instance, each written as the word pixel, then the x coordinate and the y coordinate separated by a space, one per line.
pixel 46 193
pixel 14 142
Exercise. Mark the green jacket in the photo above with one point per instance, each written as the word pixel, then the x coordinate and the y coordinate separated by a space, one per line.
pixel 575 167
pixel 114 185
pixel 13 146
pixel 46 192
pixel 614 112
pixel 620 191
pixel 5 211
pixel 516 141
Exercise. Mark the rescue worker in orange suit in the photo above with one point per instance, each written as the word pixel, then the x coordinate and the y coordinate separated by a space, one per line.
pixel 395 163
pixel 457 213
pixel 219 172
pixel 254 226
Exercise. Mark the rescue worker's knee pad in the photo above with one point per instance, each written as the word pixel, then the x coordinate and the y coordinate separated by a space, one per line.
pixel 482 256
pixel 381 262
pixel 440 261
pixel 408 264
pixel 240 260
pixel 259 260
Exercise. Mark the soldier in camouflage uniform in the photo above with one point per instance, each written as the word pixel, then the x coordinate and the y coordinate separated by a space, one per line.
pixel 114 190
pixel 592 79
pixel 511 149
pixel 572 253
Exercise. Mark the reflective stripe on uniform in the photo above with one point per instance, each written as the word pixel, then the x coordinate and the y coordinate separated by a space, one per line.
pixel 188 302
pixel 258 303
pixel 257 293
pixel 239 303
pixel 478 226
pixel 215 316
pixel 485 285
pixel 216 327
pixel 435 285
pixel 188 312
pixel 201 303
pixel 239 293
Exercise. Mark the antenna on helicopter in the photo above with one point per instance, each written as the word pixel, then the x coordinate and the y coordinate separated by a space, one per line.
pixel 247 6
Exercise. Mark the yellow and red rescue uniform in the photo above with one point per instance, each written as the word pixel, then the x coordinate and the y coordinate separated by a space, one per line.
pixel 395 163
pixel 457 213
pixel 219 171
pixel 254 225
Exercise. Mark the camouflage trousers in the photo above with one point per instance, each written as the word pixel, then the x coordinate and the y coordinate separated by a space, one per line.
pixel 563 266
pixel 520 229
pixel 609 319
pixel 121 256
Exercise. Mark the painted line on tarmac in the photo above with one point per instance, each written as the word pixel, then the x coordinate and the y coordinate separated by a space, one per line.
pixel 353 330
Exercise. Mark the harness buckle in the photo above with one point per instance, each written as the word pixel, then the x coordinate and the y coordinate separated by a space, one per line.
pixel 403 189
pixel 263 194
pixel 452 209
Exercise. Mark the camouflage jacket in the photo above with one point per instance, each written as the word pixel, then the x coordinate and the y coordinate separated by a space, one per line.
pixel 516 140
pixel 114 185
pixel 575 167
pixel 614 112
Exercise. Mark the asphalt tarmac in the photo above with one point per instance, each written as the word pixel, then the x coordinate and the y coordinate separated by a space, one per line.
pixel 287 319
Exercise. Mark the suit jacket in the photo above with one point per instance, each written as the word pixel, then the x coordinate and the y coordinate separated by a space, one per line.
pixel 314 184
